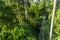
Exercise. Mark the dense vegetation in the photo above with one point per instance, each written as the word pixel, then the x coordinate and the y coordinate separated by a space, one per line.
pixel 15 24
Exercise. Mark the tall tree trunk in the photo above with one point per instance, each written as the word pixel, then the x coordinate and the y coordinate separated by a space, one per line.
pixel 52 20
pixel 26 9
pixel 18 12
pixel 6 1
pixel 41 34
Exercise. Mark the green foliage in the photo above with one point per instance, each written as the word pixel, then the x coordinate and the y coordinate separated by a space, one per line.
pixel 57 26
pixel 27 29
